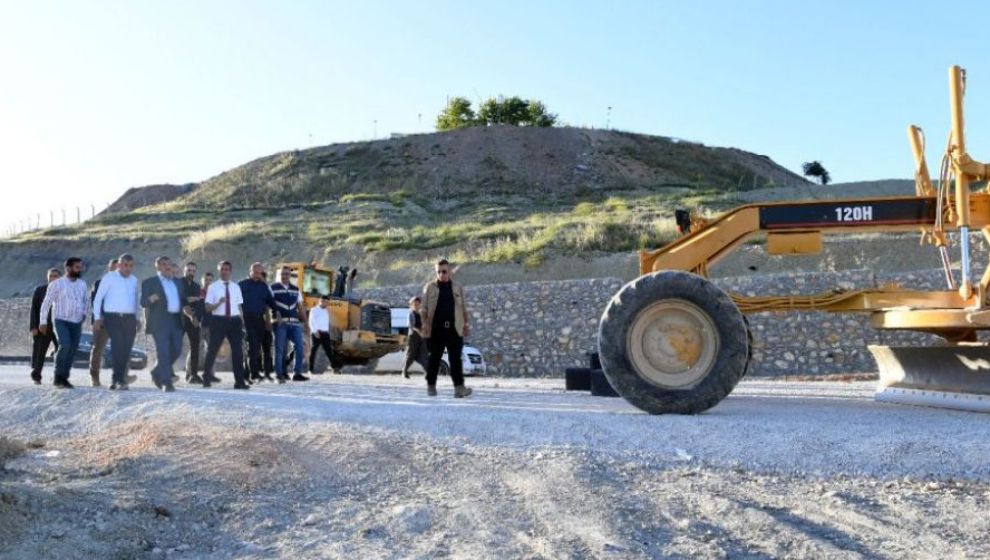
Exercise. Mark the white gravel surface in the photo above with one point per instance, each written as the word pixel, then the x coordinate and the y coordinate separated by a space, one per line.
pixel 347 466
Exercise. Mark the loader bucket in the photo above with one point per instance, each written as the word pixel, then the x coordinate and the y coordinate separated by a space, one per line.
pixel 955 377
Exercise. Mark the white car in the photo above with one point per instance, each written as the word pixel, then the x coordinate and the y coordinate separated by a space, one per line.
pixel 471 359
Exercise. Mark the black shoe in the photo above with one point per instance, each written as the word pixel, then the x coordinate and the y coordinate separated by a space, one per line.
pixel 268 377
pixel 113 386
pixel 37 380
pixel 63 384
pixel 299 377
pixel 157 384
pixel 168 388
pixel 242 386
pixel 122 387
pixel 195 380
pixel 131 379
pixel 405 374
pixel 281 381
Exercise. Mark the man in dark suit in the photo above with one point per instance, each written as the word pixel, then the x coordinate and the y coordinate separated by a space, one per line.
pixel 161 297
pixel 192 319
pixel 41 340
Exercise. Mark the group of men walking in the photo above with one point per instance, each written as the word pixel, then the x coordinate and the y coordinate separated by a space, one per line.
pixel 173 308
pixel 178 307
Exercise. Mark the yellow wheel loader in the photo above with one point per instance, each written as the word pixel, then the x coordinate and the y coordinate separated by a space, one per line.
pixel 671 341
pixel 361 329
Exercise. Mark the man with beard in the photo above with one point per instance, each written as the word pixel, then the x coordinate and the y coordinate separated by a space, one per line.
pixel 69 299
pixel 445 325
pixel 192 318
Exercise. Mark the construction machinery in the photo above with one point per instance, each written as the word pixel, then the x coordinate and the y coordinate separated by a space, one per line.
pixel 670 341
pixel 361 330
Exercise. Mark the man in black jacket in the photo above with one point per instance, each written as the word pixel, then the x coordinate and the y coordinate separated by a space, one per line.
pixel 162 300
pixel 259 303
pixel 192 318
pixel 41 341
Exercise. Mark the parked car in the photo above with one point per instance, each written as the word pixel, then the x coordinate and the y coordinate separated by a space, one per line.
pixel 471 360
pixel 138 359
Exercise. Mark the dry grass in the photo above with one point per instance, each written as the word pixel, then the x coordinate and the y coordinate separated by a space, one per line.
pixel 226 233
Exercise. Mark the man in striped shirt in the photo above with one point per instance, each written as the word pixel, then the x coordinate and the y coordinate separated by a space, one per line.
pixel 68 300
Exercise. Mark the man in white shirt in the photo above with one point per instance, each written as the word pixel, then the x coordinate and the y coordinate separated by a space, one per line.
pixel 160 296
pixel 68 300
pixel 223 304
pixel 115 308
pixel 319 329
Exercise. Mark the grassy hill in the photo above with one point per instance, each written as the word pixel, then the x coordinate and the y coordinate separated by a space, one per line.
pixel 484 196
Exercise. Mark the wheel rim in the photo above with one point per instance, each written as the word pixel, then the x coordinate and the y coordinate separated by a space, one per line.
pixel 673 344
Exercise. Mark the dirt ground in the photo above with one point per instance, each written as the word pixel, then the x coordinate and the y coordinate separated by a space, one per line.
pixel 356 466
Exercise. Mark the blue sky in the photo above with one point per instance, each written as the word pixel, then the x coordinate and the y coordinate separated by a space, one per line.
pixel 100 96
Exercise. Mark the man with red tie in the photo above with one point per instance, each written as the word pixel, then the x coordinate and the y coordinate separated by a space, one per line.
pixel 223 303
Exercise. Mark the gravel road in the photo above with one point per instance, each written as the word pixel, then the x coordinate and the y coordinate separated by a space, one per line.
pixel 348 466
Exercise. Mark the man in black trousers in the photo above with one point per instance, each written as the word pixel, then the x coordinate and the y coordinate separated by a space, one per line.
pixel 259 303
pixel 117 305
pixel 192 318
pixel 224 304
pixel 162 300
pixel 41 341
pixel 445 325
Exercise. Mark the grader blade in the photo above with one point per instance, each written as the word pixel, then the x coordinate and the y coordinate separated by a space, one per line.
pixel 955 377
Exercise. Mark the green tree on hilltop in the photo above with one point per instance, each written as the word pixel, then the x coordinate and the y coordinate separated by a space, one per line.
pixel 457 114
pixel 513 111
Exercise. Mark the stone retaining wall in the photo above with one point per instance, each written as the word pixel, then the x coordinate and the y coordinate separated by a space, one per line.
pixel 539 328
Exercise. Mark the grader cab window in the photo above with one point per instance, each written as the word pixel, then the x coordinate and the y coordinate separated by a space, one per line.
pixel 317 282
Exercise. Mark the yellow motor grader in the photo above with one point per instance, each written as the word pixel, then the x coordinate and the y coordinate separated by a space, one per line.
pixel 670 341
pixel 361 329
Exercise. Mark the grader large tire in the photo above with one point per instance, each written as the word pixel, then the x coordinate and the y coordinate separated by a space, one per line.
pixel 673 343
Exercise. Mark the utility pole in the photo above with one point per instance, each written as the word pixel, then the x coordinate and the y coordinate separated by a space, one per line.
pixel 374 133
pixel 608 118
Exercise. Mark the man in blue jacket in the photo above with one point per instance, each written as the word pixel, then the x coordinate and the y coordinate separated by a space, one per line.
pixel 161 297
pixel 259 303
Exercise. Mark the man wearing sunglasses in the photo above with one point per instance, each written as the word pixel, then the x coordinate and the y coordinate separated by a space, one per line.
pixel 445 325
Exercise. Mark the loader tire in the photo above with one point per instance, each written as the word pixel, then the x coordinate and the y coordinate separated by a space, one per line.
pixel 577 379
pixel 672 342
pixel 600 387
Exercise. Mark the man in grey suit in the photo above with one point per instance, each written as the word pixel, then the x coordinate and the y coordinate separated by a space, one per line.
pixel 162 301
